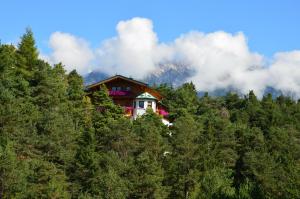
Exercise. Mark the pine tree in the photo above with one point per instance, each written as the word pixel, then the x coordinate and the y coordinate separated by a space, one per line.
pixel 76 94
pixel 27 55
pixel 27 49
pixel 54 143
pixel 182 175
pixel 117 151
pixel 185 99
pixel 147 174
pixel 75 86
pixel 16 116
pixel 105 112
pixel 13 172
pixel 85 169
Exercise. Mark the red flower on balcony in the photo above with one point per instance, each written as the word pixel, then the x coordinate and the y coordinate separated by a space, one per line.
pixel 163 112
pixel 119 93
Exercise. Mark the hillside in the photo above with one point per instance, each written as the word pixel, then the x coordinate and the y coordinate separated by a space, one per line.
pixel 57 142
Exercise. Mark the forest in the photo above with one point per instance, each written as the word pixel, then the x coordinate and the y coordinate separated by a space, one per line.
pixel 55 143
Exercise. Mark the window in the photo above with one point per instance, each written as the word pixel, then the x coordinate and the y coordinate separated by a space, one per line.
pixel 128 88
pixel 119 88
pixel 141 104
pixel 134 104
pixel 114 88
pixel 149 104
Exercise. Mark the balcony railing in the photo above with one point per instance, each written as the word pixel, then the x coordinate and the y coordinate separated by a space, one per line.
pixel 119 93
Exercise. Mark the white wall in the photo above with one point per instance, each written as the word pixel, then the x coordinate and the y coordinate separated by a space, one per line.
pixel 140 111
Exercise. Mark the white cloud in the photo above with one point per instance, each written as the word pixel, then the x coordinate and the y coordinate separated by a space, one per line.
pixel 72 51
pixel 284 73
pixel 133 52
pixel 220 60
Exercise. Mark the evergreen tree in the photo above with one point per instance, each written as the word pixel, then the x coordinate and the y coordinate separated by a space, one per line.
pixel 182 174
pixel 105 112
pixel 147 174
pixel 27 54
pixel 76 96
pixel 54 145
pixel 13 172
pixel 217 148
pixel 85 169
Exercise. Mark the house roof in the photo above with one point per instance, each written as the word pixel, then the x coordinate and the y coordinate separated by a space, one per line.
pixel 117 77
pixel 146 87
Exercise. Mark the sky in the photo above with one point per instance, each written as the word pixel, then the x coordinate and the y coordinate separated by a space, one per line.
pixel 241 44
pixel 270 25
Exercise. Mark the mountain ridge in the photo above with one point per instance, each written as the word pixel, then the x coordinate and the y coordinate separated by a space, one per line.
pixel 173 74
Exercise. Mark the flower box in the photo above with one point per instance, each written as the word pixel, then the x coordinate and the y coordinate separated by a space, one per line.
pixel 119 93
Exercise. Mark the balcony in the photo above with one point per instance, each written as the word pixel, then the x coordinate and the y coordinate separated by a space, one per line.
pixel 119 93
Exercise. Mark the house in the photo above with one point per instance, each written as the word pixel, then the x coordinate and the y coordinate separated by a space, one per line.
pixel 134 96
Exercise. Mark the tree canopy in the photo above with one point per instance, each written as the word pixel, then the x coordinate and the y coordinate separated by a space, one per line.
pixel 58 142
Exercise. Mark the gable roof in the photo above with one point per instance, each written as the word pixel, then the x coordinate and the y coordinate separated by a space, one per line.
pixel 145 95
pixel 117 77
pixel 146 87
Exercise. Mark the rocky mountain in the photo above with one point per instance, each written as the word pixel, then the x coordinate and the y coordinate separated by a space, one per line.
pixel 174 74
pixel 94 77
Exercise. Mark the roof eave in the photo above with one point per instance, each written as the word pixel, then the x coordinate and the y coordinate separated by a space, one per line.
pixel 115 77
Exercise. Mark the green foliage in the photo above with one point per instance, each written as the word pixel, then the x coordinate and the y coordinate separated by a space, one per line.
pixel 57 141
pixel 85 168
pixel 27 49
pixel 27 55
pixel 12 172
pixel 182 173
pixel 45 180
pixel 147 174
pixel 183 99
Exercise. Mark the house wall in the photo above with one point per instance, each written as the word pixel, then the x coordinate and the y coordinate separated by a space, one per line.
pixel 138 111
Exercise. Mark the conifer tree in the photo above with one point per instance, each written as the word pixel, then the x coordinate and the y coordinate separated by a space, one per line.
pixel 147 178
pixel 27 49
pixel 27 55
pixel 76 94
pixel 13 172
pixel 54 145
pixel 105 112
pixel 85 169
pixel 182 175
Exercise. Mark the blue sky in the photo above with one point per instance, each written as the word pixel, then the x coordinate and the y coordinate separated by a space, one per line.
pixel 245 45
pixel 270 25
